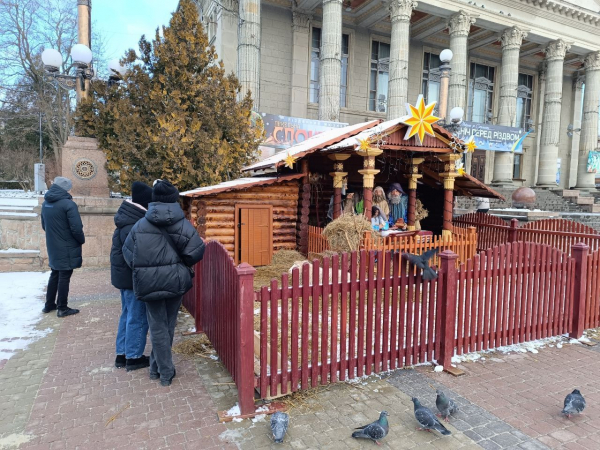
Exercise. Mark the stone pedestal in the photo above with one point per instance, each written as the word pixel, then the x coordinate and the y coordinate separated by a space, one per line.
pixel 85 164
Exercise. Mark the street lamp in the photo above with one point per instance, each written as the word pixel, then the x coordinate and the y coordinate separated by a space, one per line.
pixel 81 56
pixel 445 58
pixel 116 71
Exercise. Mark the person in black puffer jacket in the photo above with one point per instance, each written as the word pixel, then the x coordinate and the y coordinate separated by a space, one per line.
pixel 64 237
pixel 161 272
pixel 133 324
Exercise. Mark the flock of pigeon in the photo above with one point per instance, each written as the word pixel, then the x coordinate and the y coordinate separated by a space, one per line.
pixel 375 431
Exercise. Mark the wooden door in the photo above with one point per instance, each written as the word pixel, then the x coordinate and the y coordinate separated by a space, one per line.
pixel 478 165
pixel 254 242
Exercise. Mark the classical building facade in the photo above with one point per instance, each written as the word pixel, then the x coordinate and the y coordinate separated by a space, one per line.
pixel 531 64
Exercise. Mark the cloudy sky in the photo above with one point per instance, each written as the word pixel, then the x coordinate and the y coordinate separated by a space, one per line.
pixel 122 23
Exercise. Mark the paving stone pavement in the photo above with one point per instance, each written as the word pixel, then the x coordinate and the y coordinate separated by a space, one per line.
pixel 484 428
pixel 527 391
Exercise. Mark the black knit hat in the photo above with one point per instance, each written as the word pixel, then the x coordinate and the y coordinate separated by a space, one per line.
pixel 164 192
pixel 141 193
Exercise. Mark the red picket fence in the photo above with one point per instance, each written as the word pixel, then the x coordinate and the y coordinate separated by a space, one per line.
pixel 361 319
pixel 592 304
pixel 558 233
pixel 514 293
pixel 367 312
pixel 317 243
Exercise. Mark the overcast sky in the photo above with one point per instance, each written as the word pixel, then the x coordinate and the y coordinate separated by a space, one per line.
pixel 122 23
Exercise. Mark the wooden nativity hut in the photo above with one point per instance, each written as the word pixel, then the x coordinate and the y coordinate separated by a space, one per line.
pixel 272 207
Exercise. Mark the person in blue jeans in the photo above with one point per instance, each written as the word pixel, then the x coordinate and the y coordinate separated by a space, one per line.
pixel 133 323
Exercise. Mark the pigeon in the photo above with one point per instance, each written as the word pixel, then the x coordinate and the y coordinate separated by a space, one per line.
pixel 374 431
pixel 427 419
pixel 279 425
pixel 574 403
pixel 422 262
pixel 445 405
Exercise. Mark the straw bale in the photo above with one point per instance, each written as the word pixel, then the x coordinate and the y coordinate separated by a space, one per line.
pixel 346 233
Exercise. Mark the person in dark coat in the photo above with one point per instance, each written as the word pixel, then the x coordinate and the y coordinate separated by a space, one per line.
pixel 64 237
pixel 133 324
pixel 160 249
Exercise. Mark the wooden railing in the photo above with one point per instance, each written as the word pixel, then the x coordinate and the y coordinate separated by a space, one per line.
pixel 317 243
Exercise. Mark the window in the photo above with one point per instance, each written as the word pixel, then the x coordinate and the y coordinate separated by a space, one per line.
pixel 212 27
pixel 344 82
pixel 380 74
pixel 524 94
pixel 315 61
pixel 431 77
pixel 517 166
pixel 315 66
pixel 481 93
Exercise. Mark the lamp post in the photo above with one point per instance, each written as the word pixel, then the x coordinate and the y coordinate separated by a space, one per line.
pixel 445 58
pixel 81 57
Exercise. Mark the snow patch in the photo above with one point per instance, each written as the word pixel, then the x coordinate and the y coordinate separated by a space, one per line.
pixel 21 305
pixel 14 440
pixel 234 411
pixel 259 418
pixel 438 369
pixel 101 370
pixel 18 250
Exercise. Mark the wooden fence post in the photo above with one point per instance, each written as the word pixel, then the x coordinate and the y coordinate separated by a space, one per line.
pixel 512 231
pixel 448 308
pixel 579 252
pixel 245 338
pixel 198 297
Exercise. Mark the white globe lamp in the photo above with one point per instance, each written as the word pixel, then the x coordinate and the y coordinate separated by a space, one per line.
pixel 446 56
pixel 81 54
pixel 52 59
pixel 456 114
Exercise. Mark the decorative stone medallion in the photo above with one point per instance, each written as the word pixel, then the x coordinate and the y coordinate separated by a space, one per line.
pixel 85 169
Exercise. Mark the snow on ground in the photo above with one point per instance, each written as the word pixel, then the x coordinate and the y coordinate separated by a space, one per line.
pixel 21 305
pixel 16 193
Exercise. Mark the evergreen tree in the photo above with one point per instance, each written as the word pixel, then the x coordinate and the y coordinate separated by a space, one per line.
pixel 175 113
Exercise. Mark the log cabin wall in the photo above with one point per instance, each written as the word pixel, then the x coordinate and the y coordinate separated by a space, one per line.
pixel 214 215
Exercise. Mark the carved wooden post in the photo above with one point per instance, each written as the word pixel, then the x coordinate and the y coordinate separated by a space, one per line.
pixel 368 174
pixel 338 180
pixel 412 191
pixel 448 176
pixel 579 252
pixel 448 310
pixel 245 338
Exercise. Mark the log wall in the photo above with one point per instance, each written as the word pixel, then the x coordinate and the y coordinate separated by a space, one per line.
pixel 214 215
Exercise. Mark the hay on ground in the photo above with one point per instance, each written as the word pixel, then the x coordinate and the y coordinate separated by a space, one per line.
pixel 281 263
pixel 198 345
pixel 347 232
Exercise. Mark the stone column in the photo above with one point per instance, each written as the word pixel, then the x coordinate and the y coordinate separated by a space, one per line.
pixel 400 12
pixel 227 33
pixel 555 57
pixel 338 181
pixel 249 50
pixel 576 121
pixel 540 117
pixel 448 176
pixel 512 39
pixel 412 191
pixel 84 36
pixel 459 25
pixel 589 122
pixel 368 174
pixel 331 61
pixel 300 46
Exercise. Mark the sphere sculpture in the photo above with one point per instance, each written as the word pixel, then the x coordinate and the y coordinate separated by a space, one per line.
pixel 523 197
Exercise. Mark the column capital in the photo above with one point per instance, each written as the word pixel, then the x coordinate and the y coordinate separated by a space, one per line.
pixel 512 38
pixel 301 20
pixel 401 10
pixel 459 24
pixel 578 82
pixel 556 50
pixel 592 61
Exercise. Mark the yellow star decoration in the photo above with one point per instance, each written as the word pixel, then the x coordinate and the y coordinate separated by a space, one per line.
pixel 470 144
pixel 420 120
pixel 461 172
pixel 364 145
pixel 289 161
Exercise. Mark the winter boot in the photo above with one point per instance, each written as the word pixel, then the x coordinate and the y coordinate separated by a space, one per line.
pixel 120 361
pixel 48 309
pixel 66 312
pixel 137 363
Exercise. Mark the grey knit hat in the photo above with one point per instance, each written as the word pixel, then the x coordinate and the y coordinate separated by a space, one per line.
pixel 63 182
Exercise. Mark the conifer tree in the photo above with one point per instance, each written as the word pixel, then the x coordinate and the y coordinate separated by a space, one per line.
pixel 174 115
